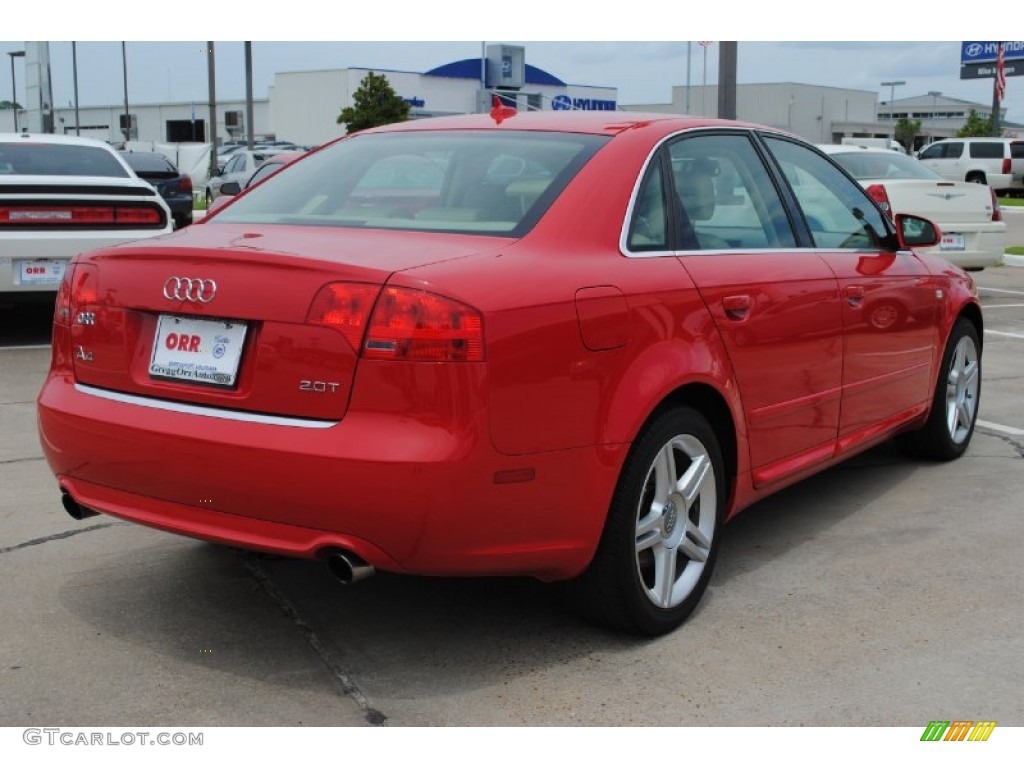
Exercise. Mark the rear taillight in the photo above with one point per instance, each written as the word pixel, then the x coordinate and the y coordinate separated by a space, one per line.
pixel 997 214
pixel 345 307
pixel 78 215
pixel 413 325
pixel 62 307
pixel 186 184
pixel 400 323
pixel 877 193
pixel 1006 165
pixel 137 215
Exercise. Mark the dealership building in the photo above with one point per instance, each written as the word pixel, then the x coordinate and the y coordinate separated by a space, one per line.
pixel 303 106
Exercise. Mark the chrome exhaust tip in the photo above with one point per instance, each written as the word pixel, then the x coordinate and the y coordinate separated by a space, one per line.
pixel 75 509
pixel 348 568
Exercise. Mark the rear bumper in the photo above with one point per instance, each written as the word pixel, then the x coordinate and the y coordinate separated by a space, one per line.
pixel 406 495
pixel 16 247
pixel 984 245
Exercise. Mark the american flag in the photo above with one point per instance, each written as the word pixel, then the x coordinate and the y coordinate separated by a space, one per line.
pixel 1000 75
pixel 706 43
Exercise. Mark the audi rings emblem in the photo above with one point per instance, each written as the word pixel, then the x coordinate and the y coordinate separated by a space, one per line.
pixel 190 289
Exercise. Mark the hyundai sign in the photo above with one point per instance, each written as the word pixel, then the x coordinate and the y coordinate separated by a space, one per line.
pixel 978 59
pixel 562 101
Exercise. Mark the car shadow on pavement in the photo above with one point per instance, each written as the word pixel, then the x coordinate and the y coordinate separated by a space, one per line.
pixel 417 637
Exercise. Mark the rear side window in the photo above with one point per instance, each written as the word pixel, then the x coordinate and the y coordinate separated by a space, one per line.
pixel 987 149
pixel 481 182
pixel 1017 150
pixel 28 159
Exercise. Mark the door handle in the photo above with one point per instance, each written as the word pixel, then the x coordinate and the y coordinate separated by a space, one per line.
pixel 736 307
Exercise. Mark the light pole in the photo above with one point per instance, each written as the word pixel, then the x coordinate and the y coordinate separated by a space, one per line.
pixel 935 95
pixel 127 117
pixel 14 90
pixel 892 95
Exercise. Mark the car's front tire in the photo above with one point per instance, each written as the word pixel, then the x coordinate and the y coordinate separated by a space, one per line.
pixel 663 530
pixel 950 424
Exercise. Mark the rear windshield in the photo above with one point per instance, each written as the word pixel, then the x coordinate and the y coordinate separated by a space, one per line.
pixel 147 161
pixel 480 182
pixel 1017 150
pixel 28 159
pixel 883 165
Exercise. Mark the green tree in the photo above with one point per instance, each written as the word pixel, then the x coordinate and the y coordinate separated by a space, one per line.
pixel 5 104
pixel 975 126
pixel 374 103
pixel 906 132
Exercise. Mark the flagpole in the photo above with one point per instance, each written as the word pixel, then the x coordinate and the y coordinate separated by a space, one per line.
pixel 998 77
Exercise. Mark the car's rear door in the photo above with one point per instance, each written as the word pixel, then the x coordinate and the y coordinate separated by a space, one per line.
pixel 775 304
pixel 888 296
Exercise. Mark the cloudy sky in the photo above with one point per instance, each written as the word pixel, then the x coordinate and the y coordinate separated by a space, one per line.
pixel 643 71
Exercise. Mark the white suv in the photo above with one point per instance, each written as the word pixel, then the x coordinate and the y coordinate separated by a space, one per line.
pixel 996 162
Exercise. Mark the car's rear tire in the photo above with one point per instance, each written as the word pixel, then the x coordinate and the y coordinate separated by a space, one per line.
pixel 977 178
pixel 950 425
pixel 209 198
pixel 663 530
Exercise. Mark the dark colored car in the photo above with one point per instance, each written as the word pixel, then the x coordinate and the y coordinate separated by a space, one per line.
pixel 175 187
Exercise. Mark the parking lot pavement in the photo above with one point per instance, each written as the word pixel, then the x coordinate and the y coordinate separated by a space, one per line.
pixel 885 591
pixel 107 623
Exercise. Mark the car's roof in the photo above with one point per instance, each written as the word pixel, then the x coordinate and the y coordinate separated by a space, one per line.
pixel 599 122
pixel 832 149
pixel 54 138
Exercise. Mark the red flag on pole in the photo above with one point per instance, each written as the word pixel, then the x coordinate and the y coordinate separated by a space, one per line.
pixel 1000 75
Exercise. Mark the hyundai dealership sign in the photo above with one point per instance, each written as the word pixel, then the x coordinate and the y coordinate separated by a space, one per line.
pixel 978 59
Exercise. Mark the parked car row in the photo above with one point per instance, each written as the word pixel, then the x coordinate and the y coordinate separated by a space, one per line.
pixel 968 215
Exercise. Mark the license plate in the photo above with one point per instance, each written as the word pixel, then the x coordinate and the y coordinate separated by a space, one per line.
pixel 198 350
pixel 41 271
pixel 952 242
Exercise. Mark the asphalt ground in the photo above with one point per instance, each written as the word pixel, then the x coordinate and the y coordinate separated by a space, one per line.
pixel 885 591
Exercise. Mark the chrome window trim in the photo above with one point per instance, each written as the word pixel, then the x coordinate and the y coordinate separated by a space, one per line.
pixel 624 231
pixel 203 410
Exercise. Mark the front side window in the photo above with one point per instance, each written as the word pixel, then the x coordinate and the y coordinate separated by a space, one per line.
pixel 837 211
pixel 934 152
pixel 486 182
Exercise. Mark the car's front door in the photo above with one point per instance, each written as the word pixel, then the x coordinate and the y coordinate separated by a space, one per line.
pixel 888 296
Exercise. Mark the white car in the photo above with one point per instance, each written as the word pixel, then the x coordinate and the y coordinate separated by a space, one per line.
pixel 993 161
pixel 239 167
pixel 968 215
pixel 62 195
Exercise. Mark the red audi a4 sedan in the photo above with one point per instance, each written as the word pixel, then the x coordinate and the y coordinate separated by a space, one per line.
pixel 563 345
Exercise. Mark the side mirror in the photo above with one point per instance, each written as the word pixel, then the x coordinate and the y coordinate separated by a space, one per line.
pixel 230 188
pixel 915 232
